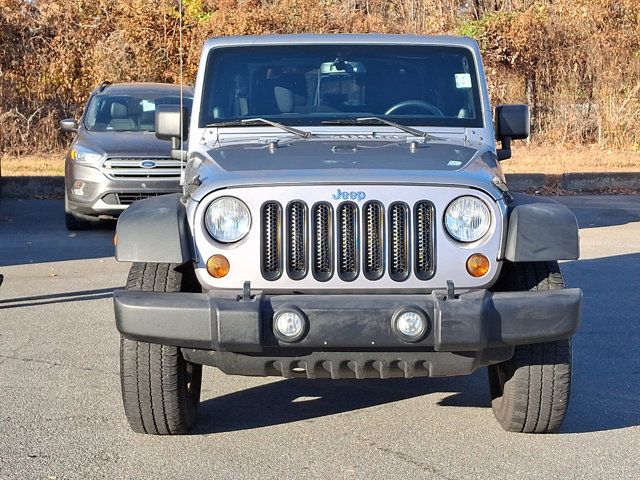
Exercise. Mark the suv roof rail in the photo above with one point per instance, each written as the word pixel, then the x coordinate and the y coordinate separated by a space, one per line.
pixel 104 85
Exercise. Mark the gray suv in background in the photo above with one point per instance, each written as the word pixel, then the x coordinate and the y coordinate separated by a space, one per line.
pixel 115 158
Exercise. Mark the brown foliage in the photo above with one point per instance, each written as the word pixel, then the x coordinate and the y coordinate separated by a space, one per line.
pixel 576 61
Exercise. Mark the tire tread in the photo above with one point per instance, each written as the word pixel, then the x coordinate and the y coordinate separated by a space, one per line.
pixel 534 393
pixel 153 376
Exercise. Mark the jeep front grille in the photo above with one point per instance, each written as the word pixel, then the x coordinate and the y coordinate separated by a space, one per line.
pixel 373 240
pixel 131 168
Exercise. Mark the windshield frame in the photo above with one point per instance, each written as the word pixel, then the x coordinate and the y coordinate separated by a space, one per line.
pixel 319 120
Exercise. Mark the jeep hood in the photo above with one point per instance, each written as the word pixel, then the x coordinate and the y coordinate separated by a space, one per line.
pixel 321 161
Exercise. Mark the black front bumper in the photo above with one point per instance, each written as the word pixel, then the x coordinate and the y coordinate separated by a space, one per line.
pixel 348 335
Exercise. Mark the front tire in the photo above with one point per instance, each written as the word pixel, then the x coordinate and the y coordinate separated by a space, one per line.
pixel 530 392
pixel 160 389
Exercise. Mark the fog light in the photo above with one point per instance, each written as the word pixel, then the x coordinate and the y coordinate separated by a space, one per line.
pixel 289 325
pixel 78 188
pixel 409 324
pixel 477 265
pixel 218 266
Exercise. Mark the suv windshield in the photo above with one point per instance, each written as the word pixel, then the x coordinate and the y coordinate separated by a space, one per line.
pixel 312 84
pixel 127 112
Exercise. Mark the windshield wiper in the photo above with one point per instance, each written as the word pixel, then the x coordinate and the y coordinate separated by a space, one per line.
pixel 262 121
pixel 377 120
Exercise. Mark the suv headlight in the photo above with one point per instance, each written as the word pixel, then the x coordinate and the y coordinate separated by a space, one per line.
pixel 85 155
pixel 227 219
pixel 467 219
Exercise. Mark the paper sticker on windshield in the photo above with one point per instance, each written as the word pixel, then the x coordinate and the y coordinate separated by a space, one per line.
pixel 463 80
pixel 454 163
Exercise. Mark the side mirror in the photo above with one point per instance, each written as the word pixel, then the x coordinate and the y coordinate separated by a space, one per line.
pixel 68 125
pixel 512 122
pixel 172 123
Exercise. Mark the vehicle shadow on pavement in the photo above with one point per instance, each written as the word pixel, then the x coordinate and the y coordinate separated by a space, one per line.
pixel 605 391
pixel 598 211
pixel 52 298
pixel 296 400
pixel 34 231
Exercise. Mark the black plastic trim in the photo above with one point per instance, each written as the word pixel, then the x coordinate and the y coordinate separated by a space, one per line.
pixel 348 276
pixel 399 276
pixel 321 276
pixel 305 242
pixel 471 322
pixel 268 275
pixel 377 275
pixel 539 230
pixel 432 241
pixel 154 230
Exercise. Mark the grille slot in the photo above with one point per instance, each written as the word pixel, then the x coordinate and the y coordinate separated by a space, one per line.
pixel 348 241
pixel 129 198
pixel 297 240
pixel 398 241
pixel 322 241
pixel 271 241
pixel 133 168
pixel 373 258
pixel 424 240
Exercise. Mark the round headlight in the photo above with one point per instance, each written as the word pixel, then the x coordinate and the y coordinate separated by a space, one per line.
pixel 227 219
pixel 467 219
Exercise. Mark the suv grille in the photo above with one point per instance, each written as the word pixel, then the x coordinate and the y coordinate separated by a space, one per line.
pixel 359 241
pixel 128 168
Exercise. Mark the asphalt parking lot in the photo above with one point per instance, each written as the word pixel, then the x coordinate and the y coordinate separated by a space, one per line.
pixel 61 413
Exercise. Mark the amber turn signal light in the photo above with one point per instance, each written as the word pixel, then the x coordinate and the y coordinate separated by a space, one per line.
pixel 218 266
pixel 477 265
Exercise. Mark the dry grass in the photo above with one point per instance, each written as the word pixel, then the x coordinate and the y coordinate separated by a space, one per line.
pixel 43 165
pixel 559 160
pixel 526 159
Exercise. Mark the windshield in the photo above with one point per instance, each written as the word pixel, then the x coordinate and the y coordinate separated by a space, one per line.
pixel 129 113
pixel 312 84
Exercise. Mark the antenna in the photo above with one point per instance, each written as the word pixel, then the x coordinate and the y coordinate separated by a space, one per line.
pixel 182 119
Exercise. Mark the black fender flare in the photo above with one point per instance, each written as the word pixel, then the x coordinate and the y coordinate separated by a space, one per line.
pixel 540 229
pixel 154 230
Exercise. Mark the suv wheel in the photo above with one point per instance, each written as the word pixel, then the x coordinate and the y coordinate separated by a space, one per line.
pixel 160 389
pixel 530 392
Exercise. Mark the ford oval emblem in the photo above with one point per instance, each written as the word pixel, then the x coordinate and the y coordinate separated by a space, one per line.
pixel 148 164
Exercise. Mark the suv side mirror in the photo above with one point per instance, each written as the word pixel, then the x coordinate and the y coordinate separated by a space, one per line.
pixel 68 125
pixel 172 123
pixel 512 122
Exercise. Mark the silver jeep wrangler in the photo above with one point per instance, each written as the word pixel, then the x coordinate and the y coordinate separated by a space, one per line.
pixel 344 215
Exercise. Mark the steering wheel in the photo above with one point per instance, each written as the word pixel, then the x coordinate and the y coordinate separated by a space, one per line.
pixel 415 103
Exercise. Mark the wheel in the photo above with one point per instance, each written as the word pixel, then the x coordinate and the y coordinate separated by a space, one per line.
pixel 160 389
pixel 530 392
pixel 74 224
